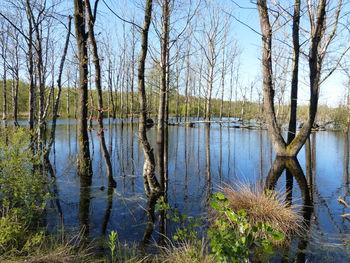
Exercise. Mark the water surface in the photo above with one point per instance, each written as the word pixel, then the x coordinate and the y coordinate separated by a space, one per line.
pixel 201 159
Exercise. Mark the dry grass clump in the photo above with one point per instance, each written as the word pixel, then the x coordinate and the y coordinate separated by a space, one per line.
pixel 55 249
pixel 186 252
pixel 264 206
pixel 58 255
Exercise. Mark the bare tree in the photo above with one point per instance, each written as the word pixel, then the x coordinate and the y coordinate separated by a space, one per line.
pixel 57 100
pixel 211 42
pixel 151 182
pixel 15 68
pixel 162 121
pixel 319 44
pixel 91 22
pixel 4 53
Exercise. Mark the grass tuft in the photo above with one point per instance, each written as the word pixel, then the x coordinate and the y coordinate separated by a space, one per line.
pixel 55 249
pixel 185 252
pixel 265 206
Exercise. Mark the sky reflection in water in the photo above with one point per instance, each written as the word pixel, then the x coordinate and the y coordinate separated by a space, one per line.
pixel 200 161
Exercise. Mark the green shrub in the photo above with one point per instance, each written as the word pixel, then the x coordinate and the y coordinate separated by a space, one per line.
pixel 187 225
pixel 23 193
pixel 232 236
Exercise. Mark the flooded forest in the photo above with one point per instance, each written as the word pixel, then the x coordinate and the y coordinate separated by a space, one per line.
pixel 191 131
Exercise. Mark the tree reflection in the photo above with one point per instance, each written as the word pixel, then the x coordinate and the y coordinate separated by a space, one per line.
pixel 207 163
pixel 150 210
pixel 292 166
pixel 108 209
pixel 84 204
pixel 346 162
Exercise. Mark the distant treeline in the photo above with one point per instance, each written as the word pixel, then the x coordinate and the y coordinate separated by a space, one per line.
pixel 125 104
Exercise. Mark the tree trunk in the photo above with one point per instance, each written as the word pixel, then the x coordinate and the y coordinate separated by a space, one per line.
pixel 132 72
pixel 177 93
pixel 294 91
pixel 30 69
pixel 199 90
pixel 187 83
pixel 68 99
pixel 295 70
pixel 151 182
pixel 230 114
pixel 315 65
pixel 84 163
pixel 163 91
pixel 209 92
pixel 110 88
pixel 268 91
pixel 96 60
pixel 15 82
pixel 223 73
pixel 4 84
pixel 58 96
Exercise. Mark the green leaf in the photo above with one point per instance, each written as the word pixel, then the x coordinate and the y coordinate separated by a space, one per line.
pixel 278 236
pixel 216 206
pixel 220 196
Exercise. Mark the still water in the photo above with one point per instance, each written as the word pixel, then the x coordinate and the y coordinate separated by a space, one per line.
pixel 201 159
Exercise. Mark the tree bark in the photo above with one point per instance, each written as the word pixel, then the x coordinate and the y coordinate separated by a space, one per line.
pixel 30 69
pixel 295 70
pixel 187 83
pixel 4 84
pixel 110 88
pixel 268 91
pixel 58 96
pixel 96 61
pixel 315 65
pixel 84 163
pixel 15 82
pixel 163 91
pixel 151 182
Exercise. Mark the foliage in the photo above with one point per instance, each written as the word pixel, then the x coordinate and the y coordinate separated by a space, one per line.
pixel 22 194
pixel 232 236
pixel 187 224
pixel 340 115
pixel 112 240
pixel 119 252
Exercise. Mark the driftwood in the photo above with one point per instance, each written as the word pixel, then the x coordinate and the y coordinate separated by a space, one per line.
pixel 345 215
pixel 342 201
pixel 192 124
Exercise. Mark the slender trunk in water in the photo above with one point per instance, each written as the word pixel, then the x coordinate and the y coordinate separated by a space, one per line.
pixel 57 100
pixel 84 162
pixel 96 61
pixel 151 182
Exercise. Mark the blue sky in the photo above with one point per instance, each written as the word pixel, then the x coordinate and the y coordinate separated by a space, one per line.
pixel 332 90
